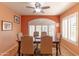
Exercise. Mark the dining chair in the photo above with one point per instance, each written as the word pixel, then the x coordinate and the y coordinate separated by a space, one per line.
pixel 58 38
pixel 27 46
pixel 46 45
pixel 36 34
pixel 19 35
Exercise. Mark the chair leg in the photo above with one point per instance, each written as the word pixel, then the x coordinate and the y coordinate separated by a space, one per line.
pixel 22 54
pixel 59 50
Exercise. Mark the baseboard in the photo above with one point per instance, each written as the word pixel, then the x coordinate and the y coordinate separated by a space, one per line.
pixel 72 52
pixel 8 52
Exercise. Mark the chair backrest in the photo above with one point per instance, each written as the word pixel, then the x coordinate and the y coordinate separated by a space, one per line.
pixel 27 45
pixel 36 34
pixel 59 36
pixel 43 34
pixel 19 35
pixel 46 45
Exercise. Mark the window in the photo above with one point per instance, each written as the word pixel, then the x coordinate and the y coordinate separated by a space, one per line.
pixel 73 28
pixel 45 28
pixel 52 31
pixel 38 29
pixel 70 28
pixel 49 29
pixel 31 30
pixel 64 28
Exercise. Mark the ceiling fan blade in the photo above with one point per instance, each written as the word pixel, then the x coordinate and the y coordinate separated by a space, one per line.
pixel 46 7
pixel 29 7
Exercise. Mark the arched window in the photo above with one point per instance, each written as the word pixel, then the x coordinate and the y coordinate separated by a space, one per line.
pixel 42 25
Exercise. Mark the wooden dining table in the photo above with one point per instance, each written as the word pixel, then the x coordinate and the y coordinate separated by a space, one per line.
pixel 37 43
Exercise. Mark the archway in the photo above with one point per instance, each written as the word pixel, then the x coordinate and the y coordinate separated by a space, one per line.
pixel 42 25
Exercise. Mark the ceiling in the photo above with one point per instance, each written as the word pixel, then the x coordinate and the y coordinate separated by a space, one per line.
pixel 56 8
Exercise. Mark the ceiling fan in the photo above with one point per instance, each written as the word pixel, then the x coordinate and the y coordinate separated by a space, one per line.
pixel 38 7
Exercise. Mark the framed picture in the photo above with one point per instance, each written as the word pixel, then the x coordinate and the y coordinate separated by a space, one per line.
pixel 17 19
pixel 6 26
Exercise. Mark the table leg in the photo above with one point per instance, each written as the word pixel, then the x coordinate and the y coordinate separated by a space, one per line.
pixel 56 49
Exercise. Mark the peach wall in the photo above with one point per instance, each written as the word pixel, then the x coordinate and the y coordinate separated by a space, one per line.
pixel 26 19
pixel 71 46
pixel 8 38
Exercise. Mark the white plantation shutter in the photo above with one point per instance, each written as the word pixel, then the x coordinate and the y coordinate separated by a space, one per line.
pixel 70 28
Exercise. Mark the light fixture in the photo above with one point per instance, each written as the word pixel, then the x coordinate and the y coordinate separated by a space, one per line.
pixel 37 9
